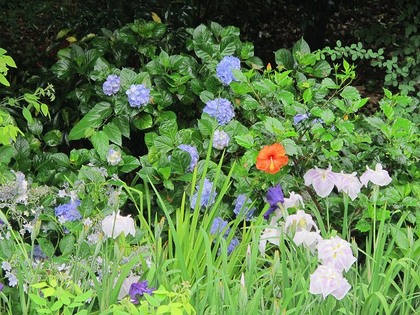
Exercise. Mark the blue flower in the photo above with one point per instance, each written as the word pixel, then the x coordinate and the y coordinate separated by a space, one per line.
pixel 1 286
pixel 207 198
pixel 38 254
pixel 111 85
pixel 224 69
pixel 242 208
pixel 138 95
pixel 68 211
pixel 300 117
pixel 232 245
pixel 138 289
pixel 219 225
pixel 274 197
pixel 221 109
pixel 193 153
pixel 220 140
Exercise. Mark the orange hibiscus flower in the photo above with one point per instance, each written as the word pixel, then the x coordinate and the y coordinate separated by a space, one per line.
pixel 272 158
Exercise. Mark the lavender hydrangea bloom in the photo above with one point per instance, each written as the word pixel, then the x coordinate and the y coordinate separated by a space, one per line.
pixel 219 225
pixel 221 109
pixel 274 197
pixel 193 153
pixel 232 245
pixel 300 117
pixel 138 95
pixel 220 140
pixel 224 69
pixel 113 157
pixel 138 289
pixel 68 211
pixel 38 254
pixel 112 85
pixel 242 208
pixel 207 198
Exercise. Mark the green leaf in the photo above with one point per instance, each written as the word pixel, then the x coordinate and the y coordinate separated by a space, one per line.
pixel 321 69
pixel 27 114
pixel 239 75
pixel 290 147
pixel 327 116
pixel 163 143
pixel 250 103
pixel 206 127
pixel 246 141
pixel 113 133
pixel 123 123
pixel 100 142
pixel 130 164
pixel 301 48
pixel 3 80
pixel 144 121
pixel 66 244
pixel 38 300
pixel 284 59
pixel 350 93
pixel 90 121
pixel 336 144
pixel 240 87
pixel 53 138
pixel 46 246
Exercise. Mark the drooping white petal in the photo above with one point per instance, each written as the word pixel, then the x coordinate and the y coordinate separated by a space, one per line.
pixel 115 224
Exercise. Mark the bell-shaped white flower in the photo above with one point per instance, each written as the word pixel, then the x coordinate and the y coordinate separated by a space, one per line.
pixel 299 221
pixel 294 200
pixel 115 224
pixel 378 176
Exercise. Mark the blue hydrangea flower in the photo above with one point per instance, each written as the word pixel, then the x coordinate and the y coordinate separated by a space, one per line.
pixel 242 208
pixel 274 197
pixel 207 198
pixel 232 245
pixel 193 153
pixel 219 225
pixel 38 254
pixel 138 95
pixel 220 140
pixel 112 85
pixel 138 289
pixel 68 211
pixel 224 69
pixel 113 157
pixel 300 117
pixel 221 109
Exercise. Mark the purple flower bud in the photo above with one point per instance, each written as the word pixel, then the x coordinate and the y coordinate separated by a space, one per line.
pixel 138 289
pixel 274 196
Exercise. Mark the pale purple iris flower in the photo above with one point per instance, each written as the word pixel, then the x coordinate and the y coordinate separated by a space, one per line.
pixel 378 176
pixel 336 252
pixel 328 280
pixel 322 180
pixel 349 184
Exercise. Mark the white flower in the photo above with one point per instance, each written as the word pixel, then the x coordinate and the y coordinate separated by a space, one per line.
pixel 125 287
pixel 5 265
pixel 293 201
pixel 348 183
pixel 270 234
pixel 336 252
pixel 322 180
pixel 307 238
pixel 115 224
pixel 327 280
pixel 113 157
pixel 13 281
pixel 299 221
pixel 378 176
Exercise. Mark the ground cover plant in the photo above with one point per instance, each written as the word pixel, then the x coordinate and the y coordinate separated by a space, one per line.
pixel 169 178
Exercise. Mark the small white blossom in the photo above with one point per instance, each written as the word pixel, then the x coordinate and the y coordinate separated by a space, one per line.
pixel 378 176
pixel 115 224
pixel 113 157
pixel 5 265
pixel 13 281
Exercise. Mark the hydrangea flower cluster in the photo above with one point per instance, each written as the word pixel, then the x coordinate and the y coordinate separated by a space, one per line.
pixel 221 226
pixel 221 109
pixel 242 207
pixel 324 180
pixel 220 140
pixel 138 95
pixel 224 69
pixel 193 153
pixel 68 211
pixel 112 85
pixel 138 289
pixel 207 197
pixel 113 157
